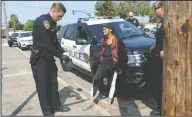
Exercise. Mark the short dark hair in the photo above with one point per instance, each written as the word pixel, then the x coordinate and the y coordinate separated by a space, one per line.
pixel 59 7
pixel 159 4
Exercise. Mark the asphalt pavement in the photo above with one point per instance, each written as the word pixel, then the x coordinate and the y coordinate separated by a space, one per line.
pixel 19 94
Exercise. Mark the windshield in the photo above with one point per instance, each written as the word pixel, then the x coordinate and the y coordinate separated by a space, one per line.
pixel 26 34
pixel 122 29
pixel 14 34
pixel 30 33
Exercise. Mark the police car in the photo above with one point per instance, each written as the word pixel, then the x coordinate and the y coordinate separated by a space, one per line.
pixel 81 41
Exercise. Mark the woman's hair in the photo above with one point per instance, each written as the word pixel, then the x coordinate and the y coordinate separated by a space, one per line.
pixel 110 26
pixel 113 38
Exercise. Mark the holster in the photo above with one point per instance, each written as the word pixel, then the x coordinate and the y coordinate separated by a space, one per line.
pixel 35 55
pixel 34 58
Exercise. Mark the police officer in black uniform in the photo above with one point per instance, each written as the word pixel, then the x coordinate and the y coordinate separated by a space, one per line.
pixel 157 51
pixel 45 47
pixel 133 20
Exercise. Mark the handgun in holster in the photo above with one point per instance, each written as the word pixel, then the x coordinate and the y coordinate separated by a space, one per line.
pixel 35 56
pixel 34 51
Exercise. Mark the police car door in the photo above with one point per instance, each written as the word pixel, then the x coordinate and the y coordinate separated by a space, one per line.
pixel 83 48
pixel 69 44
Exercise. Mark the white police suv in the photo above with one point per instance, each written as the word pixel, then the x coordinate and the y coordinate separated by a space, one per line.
pixel 81 41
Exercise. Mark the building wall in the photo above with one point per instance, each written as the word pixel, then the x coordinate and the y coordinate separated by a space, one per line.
pixel 3 31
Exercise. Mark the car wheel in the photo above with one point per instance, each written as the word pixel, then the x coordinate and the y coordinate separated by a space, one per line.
pixel 10 45
pixel 22 48
pixel 19 45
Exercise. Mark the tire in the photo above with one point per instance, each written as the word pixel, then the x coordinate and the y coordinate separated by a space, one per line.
pixel 22 48
pixel 19 45
pixel 10 45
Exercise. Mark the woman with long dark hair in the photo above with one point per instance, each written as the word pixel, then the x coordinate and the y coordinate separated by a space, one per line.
pixel 109 63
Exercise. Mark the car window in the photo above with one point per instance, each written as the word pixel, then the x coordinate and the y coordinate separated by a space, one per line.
pixel 121 29
pixel 30 33
pixel 25 35
pixel 97 31
pixel 15 35
pixel 62 32
pixel 70 34
pixel 81 33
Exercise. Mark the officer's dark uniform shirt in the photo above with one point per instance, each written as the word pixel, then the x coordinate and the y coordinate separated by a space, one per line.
pixel 44 34
pixel 134 21
pixel 159 37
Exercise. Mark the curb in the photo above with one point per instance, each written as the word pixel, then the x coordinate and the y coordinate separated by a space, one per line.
pixel 66 84
pixel 84 95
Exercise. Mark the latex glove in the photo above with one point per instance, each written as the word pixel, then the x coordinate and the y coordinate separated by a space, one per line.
pixel 161 54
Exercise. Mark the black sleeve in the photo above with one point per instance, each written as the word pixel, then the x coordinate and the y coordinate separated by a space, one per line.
pixel 48 45
pixel 58 46
pixel 137 22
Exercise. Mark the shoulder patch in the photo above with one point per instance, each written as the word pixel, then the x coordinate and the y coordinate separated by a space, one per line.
pixel 46 24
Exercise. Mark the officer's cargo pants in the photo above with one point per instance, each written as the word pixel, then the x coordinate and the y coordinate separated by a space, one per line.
pixel 45 76
pixel 157 81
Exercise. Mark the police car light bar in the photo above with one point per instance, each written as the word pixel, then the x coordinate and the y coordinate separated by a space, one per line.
pixel 96 18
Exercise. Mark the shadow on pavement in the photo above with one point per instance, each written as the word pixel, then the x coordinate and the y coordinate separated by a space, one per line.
pixel 69 92
pixel 132 107
pixel 126 98
pixel 64 93
pixel 23 104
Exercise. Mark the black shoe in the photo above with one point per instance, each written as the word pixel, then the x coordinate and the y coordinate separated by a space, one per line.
pixel 62 109
pixel 155 113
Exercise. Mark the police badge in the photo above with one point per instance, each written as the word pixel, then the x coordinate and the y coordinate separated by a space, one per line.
pixel 46 24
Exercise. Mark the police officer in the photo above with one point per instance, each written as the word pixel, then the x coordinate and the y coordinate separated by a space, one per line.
pixel 133 20
pixel 157 49
pixel 45 47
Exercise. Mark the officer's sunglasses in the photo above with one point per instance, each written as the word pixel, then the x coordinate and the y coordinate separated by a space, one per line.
pixel 130 16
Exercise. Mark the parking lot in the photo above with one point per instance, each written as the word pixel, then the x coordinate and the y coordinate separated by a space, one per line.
pixel 19 96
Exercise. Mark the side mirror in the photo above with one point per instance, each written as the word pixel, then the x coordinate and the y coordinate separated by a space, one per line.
pixel 81 41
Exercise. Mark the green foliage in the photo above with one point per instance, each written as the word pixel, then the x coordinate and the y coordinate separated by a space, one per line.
pixel 144 8
pixel 14 23
pixel 105 8
pixel 28 25
pixel 142 25
pixel 122 8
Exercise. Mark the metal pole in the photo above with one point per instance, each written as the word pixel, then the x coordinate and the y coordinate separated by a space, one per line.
pixel 5 19
pixel 89 14
pixel 38 8
pixel 14 24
